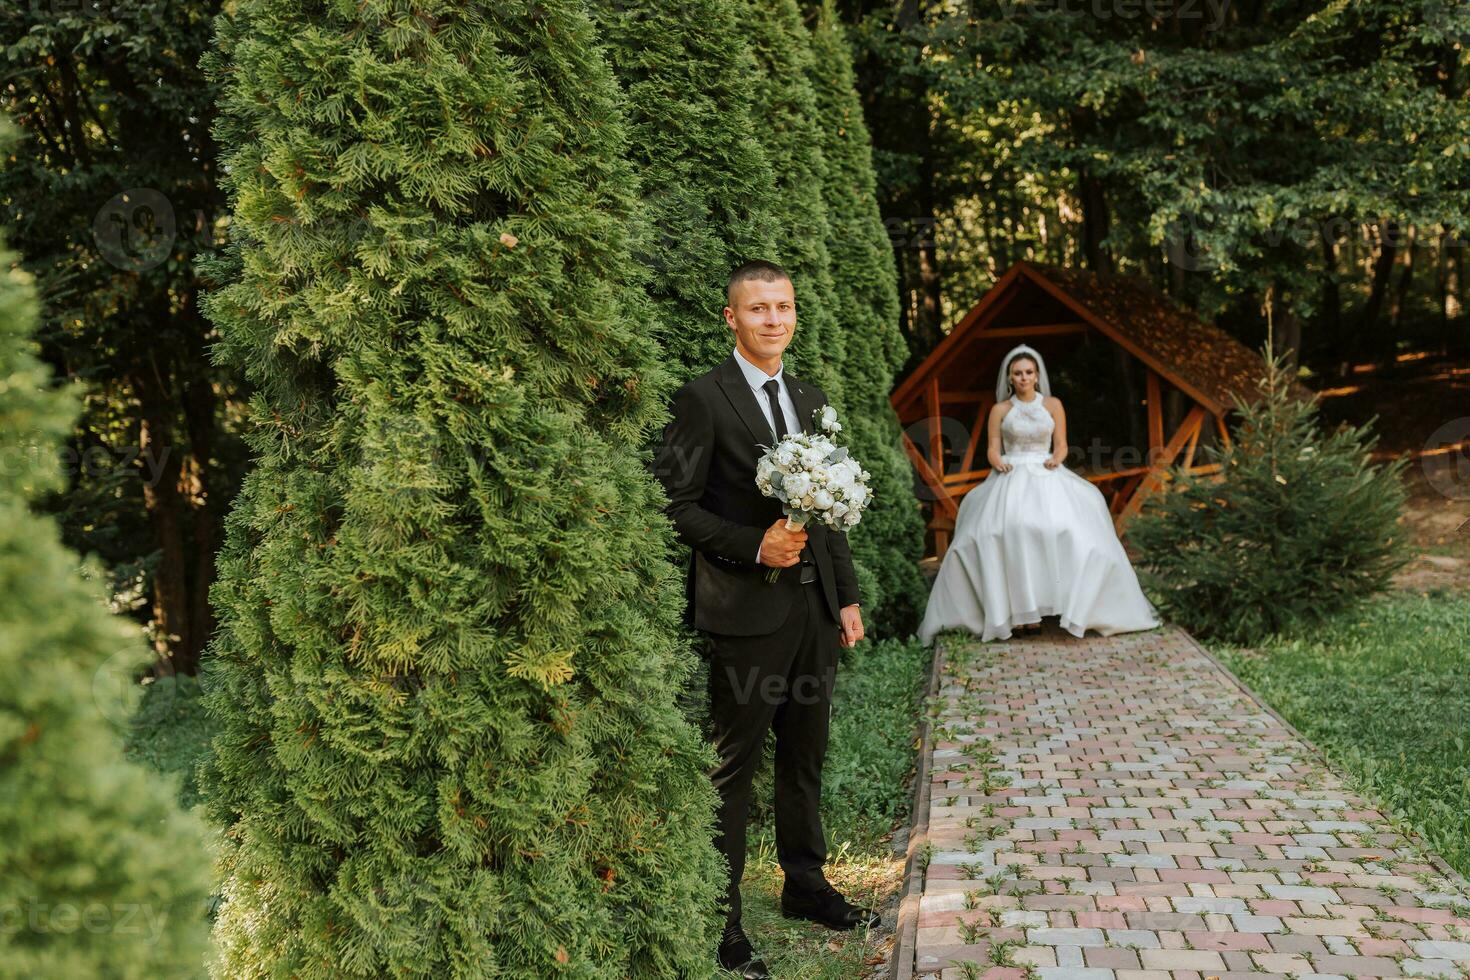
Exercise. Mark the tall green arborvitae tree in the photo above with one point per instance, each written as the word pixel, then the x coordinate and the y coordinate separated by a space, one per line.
pixel 101 875
pixel 786 124
pixel 890 540
pixel 707 186
pixel 445 681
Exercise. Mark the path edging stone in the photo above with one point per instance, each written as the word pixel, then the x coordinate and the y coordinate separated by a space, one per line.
pixel 901 965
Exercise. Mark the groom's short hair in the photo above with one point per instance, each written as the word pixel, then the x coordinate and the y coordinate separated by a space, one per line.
pixel 754 269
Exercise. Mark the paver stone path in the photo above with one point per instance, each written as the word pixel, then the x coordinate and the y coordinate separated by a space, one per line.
pixel 1119 809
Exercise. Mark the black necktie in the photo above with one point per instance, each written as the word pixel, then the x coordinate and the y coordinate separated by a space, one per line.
pixel 777 416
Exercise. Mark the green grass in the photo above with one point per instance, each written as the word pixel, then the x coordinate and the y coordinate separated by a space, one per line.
pixel 872 746
pixel 866 793
pixel 1385 693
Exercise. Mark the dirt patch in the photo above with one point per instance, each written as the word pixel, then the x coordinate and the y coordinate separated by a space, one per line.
pixel 1422 403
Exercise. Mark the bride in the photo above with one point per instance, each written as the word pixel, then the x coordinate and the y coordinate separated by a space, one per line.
pixel 1034 539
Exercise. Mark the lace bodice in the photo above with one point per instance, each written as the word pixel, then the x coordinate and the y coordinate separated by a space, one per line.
pixel 1027 427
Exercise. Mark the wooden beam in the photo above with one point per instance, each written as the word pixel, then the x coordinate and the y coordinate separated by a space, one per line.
pixel 932 481
pixel 1193 442
pixel 912 387
pixel 963 397
pixel 936 435
pixel 1191 424
pixel 1039 330
pixel 1155 411
pixel 950 479
pixel 942 527
pixel 959 484
pixel 1121 497
pixel 1223 430
pixel 982 417
pixel 960 489
pixel 1111 475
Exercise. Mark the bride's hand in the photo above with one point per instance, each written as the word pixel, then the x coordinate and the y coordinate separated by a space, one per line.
pixel 1052 463
pixel 1003 467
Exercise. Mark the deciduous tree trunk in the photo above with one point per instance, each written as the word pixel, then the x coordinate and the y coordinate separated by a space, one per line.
pixel 1382 269
pixel 173 639
pixel 1406 276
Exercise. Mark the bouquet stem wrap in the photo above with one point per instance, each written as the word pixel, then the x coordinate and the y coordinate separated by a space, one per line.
pixel 791 525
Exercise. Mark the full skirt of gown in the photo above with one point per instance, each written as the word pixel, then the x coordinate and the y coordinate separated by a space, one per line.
pixel 1030 543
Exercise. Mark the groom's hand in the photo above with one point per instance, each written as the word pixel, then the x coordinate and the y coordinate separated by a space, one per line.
pixel 852 626
pixel 781 548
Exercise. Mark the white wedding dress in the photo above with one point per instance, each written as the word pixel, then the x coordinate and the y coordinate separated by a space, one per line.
pixel 1035 542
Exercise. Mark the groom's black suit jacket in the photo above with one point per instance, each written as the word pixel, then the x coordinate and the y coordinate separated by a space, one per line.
pixel 707 466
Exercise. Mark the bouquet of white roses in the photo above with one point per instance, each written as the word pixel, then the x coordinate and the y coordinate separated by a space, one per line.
pixel 814 478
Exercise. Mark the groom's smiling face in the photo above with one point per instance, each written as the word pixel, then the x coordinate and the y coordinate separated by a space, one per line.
pixel 763 317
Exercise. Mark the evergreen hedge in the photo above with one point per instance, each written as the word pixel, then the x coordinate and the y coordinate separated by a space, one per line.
pixel 444 684
pixel 890 540
pixel 785 116
pixel 708 191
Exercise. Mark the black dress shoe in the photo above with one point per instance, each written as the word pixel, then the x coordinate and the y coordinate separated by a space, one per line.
pixel 828 907
pixel 736 954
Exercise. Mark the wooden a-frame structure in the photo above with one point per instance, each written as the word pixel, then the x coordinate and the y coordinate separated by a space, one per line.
pixel 1053 309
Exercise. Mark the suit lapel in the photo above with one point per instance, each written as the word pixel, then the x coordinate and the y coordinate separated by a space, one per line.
pixel 802 397
pixel 742 399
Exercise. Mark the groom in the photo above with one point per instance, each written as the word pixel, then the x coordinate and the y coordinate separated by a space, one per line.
pixel 773 646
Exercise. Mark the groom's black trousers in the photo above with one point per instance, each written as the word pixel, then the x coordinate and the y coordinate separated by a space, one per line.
pixel 782 680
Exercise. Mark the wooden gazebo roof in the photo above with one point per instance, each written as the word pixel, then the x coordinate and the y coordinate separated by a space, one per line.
pixel 1193 354
pixel 1053 309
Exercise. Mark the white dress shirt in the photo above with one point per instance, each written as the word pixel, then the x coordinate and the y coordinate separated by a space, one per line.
pixel 756 378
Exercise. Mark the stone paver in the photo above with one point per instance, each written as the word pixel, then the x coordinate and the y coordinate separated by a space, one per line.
pixel 1116 808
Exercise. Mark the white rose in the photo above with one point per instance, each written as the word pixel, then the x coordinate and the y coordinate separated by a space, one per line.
pixel 797 485
pixel 823 499
pixel 840 476
pixel 812 456
pixel 857 496
pixel 838 509
pixel 829 419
